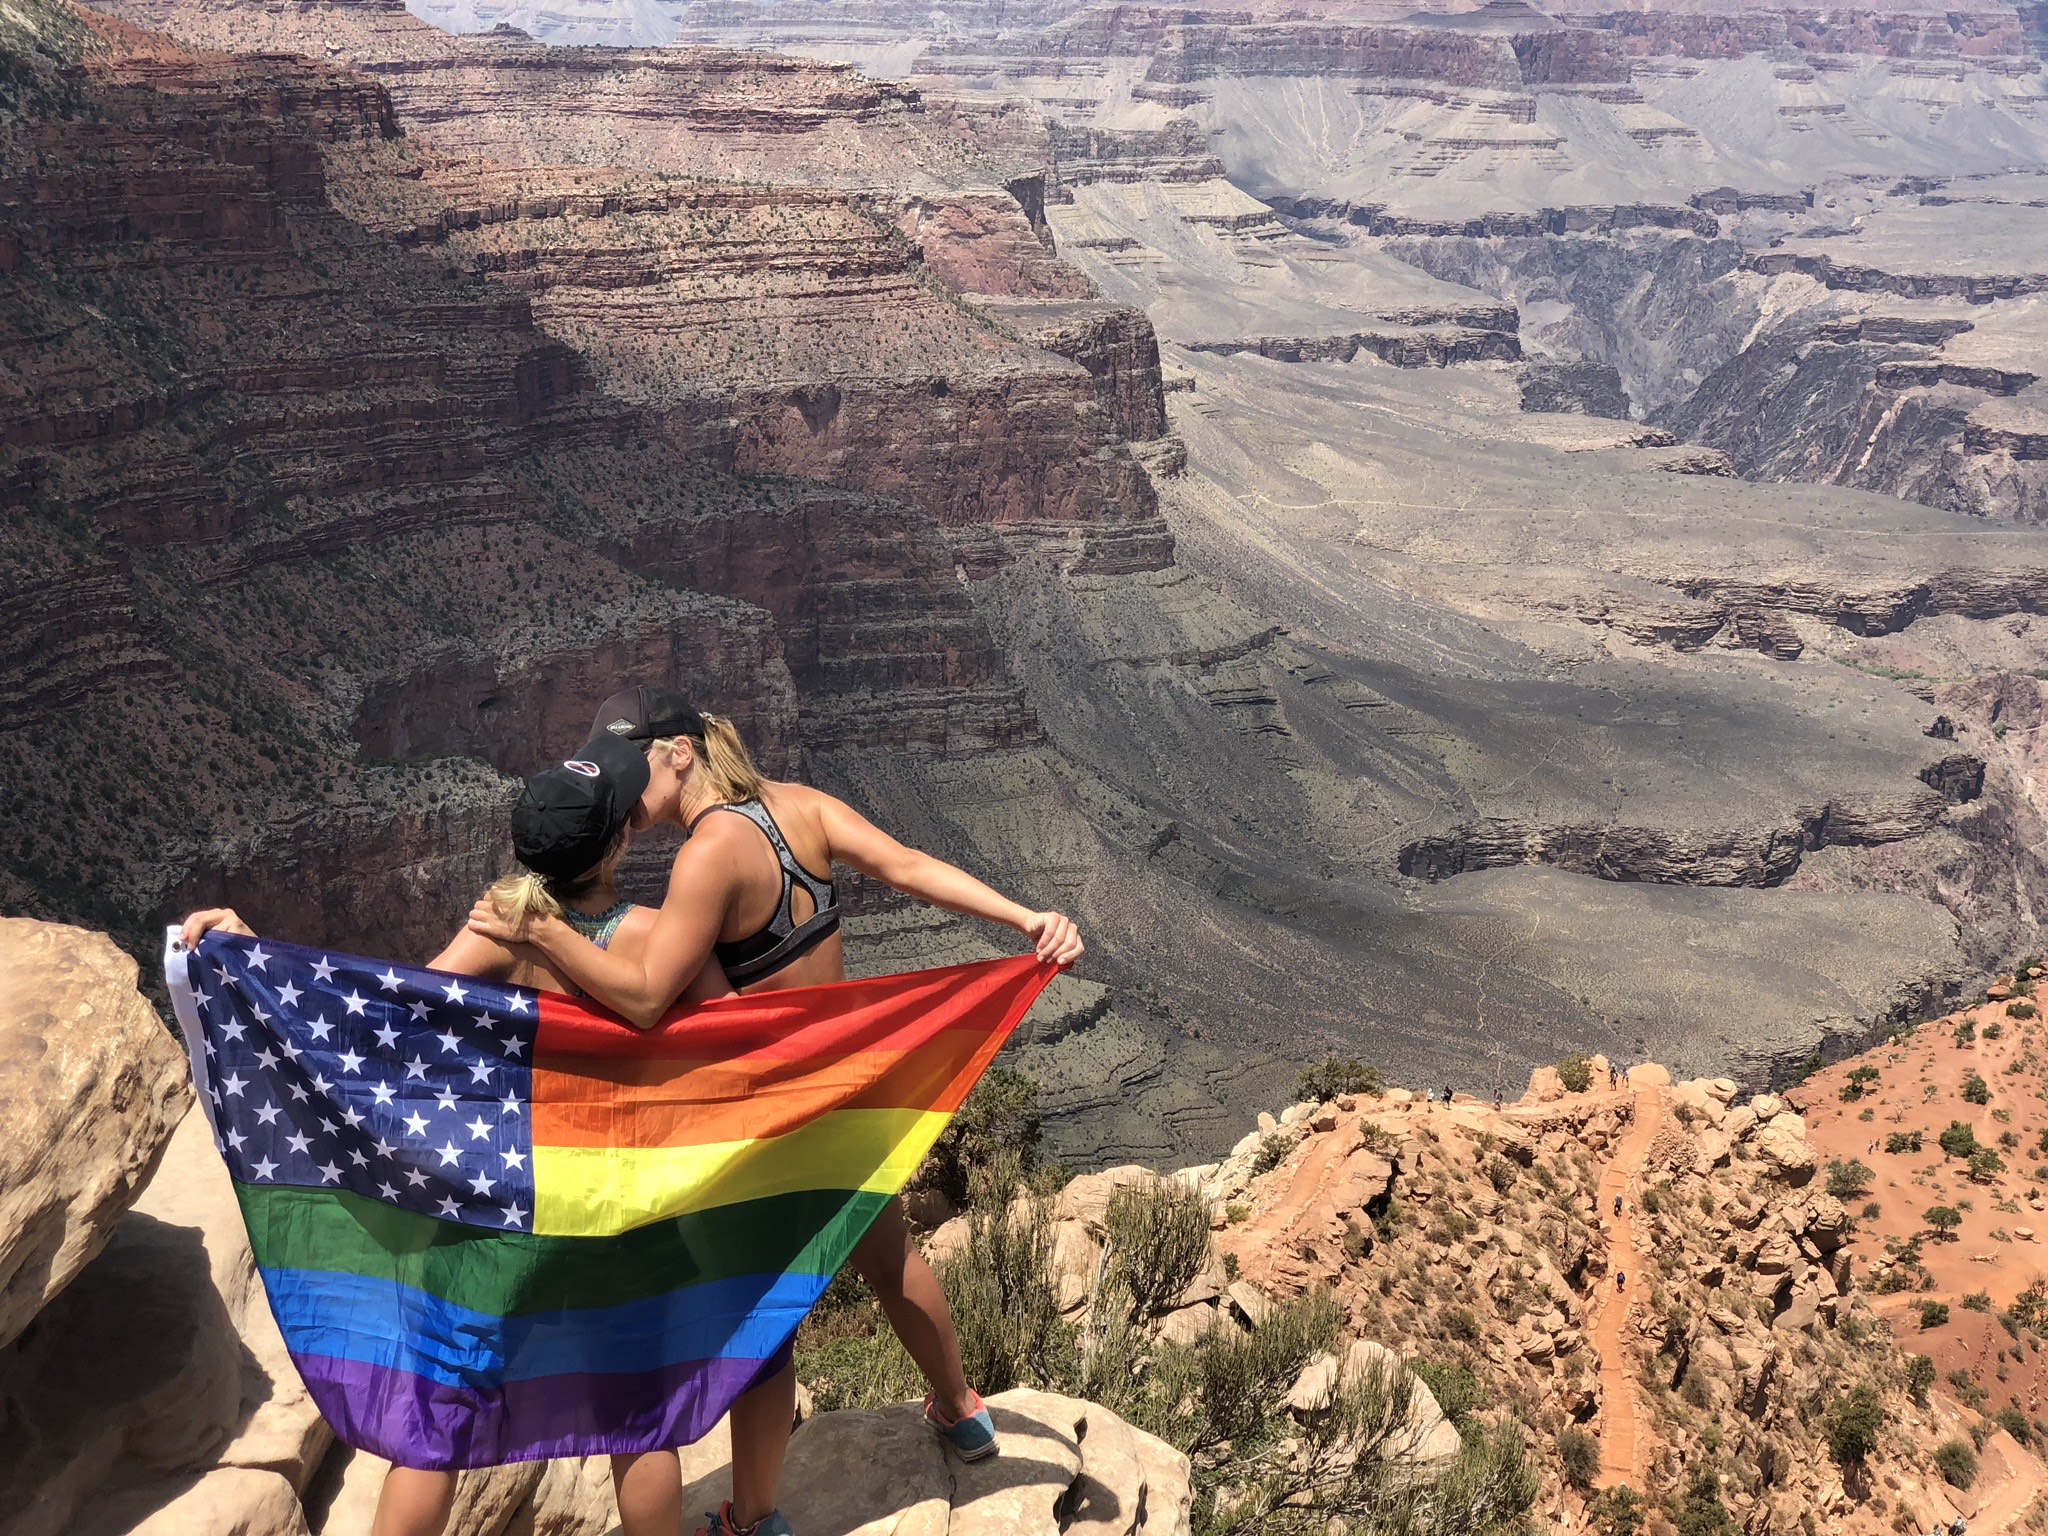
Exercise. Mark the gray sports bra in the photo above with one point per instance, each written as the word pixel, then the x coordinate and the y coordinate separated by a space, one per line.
pixel 784 941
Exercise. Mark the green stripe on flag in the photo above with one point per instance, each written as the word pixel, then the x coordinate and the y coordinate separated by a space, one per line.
pixel 511 1273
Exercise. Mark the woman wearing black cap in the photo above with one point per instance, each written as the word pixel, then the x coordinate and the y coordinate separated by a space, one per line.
pixel 751 889
pixel 569 829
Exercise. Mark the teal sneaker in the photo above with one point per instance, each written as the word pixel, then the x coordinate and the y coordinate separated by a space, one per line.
pixel 720 1522
pixel 972 1437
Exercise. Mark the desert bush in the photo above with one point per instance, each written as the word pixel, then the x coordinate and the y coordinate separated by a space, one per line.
pixel 1965 1033
pixel 1985 1165
pixel 2019 1008
pixel 1958 1140
pixel 2014 1423
pixel 1976 1090
pixel 1240 1376
pixel 1462 1323
pixel 1273 1150
pixel 1933 1314
pixel 1851 1424
pixel 1455 1388
pixel 1158 1236
pixel 1576 1073
pixel 1847 1180
pixel 1956 1462
pixel 1580 1453
pixel 1902 1141
pixel 1005 1301
pixel 1335 1075
pixel 1000 1119
pixel 1618 1511
pixel 1698 1510
pixel 1976 1301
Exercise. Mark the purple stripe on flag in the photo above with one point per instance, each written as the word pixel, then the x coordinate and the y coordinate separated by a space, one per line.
pixel 414 1422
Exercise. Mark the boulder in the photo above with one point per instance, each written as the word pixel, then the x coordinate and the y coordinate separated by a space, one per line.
pixel 1738 1122
pixel 1188 1325
pixel 91 1085
pixel 1824 1222
pixel 279 1428
pixel 1722 1088
pixel 1249 1302
pixel 1694 1102
pixel 948 1241
pixel 1783 1147
pixel 574 1498
pixel 228 1501
pixel 1087 1198
pixel 1066 1466
pixel 1424 1436
pixel 1765 1105
pixel 1295 1114
pixel 1363 1178
pixel 1545 1086
pixel 1075 1255
pixel 1649 1074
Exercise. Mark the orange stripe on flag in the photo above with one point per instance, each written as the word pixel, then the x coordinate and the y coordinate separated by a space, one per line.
pixel 623 1102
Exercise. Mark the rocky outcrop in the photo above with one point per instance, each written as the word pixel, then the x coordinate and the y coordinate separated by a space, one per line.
pixel 1587 389
pixel 92 1083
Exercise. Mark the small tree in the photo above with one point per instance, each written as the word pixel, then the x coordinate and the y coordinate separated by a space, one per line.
pixel 1902 1141
pixel 1958 1140
pixel 1852 1424
pixel 1848 1180
pixel 1699 1510
pixel 1576 1073
pixel 1966 1033
pixel 1985 1165
pixel 1933 1314
pixel 1976 1090
pixel 1919 1377
pixel 1942 1220
pixel 1335 1075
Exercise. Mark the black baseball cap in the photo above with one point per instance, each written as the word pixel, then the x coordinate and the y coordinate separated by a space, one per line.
pixel 647 714
pixel 568 815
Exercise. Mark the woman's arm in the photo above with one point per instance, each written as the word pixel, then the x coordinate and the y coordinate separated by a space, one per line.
pixel 641 987
pixel 224 918
pixel 858 842
pixel 471 954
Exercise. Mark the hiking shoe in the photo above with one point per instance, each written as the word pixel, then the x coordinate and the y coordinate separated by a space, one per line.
pixel 720 1522
pixel 973 1437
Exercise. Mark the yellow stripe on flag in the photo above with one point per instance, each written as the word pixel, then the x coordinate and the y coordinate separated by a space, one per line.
pixel 599 1191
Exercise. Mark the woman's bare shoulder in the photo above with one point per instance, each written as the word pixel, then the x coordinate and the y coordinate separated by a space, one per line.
pixel 631 936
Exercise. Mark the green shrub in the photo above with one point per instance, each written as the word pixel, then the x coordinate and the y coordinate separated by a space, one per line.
pixel 1618 1511
pixel 1580 1453
pixel 1240 1376
pixel 1985 1165
pixel 1851 1424
pixel 1576 1073
pixel 1933 1314
pixel 1158 1241
pixel 1976 1090
pixel 1976 1301
pixel 1956 1462
pixel 1698 1511
pixel 1455 1388
pixel 1958 1140
pixel 1902 1141
pixel 1463 1324
pixel 1272 1152
pixel 2014 1423
pixel 1942 1220
pixel 1000 1120
pixel 1848 1180
pixel 1966 1033
pixel 1335 1075
pixel 2019 1008
pixel 1005 1300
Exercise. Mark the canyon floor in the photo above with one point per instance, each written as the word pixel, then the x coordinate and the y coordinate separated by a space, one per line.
pixel 1448 537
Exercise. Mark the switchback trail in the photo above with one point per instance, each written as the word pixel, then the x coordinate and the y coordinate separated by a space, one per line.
pixel 1621 1441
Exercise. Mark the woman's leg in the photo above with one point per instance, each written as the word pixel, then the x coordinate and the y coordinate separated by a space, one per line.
pixel 649 1488
pixel 761 1422
pixel 413 1503
pixel 915 1304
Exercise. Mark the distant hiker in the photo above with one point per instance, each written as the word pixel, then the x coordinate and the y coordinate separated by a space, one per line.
pixel 744 890
pixel 569 830
pixel 1621 1279
pixel 1617 1205
pixel 1613 1076
pixel 1447 1093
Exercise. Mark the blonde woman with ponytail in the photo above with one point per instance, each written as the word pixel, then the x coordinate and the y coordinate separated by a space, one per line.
pixel 570 830
pixel 751 890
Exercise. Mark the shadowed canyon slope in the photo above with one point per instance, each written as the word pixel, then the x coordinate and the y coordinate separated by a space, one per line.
pixel 1356 511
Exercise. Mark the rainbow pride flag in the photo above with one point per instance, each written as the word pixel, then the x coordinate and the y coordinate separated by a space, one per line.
pixel 496 1225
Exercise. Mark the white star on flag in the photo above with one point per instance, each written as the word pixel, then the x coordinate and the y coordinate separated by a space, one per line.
pixel 514 1046
pixel 416 1068
pixel 414 1176
pixel 449 1207
pixel 455 993
pixel 319 1029
pixel 446 1100
pixel 387 1192
pixel 321 1086
pixel 265 1169
pixel 354 1002
pixel 518 1002
pixel 384 1148
pixel 389 980
pixel 479 1071
pixel 232 1085
pixel 514 1214
pixel 234 1029
pixel 357 1156
pixel 515 1159
pixel 478 1130
pixel 298 1141
pixel 483 1020
pixel 387 1037
pixel 381 1092
pixel 419 1011
pixel 268 1113
pixel 416 1123
pixel 322 969
pixel 297 1091
pixel 482 1183
pixel 351 1062
pixel 267 1059
pixel 448 1154
pixel 450 1043
pixel 258 958
pixel 234 1138
pixel 329 1174
pixel 352 1117
pixel 289 994
pixel 511 1105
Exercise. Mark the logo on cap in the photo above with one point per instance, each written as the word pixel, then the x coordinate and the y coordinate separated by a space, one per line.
pixel 589 770
pixel 620 727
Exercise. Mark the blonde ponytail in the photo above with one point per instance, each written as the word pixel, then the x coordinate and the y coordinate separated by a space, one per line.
pixel 519 897
pixel 526 894
pixel 728 766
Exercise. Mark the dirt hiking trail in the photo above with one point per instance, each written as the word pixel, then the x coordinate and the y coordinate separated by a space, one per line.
pixel 1623 1456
